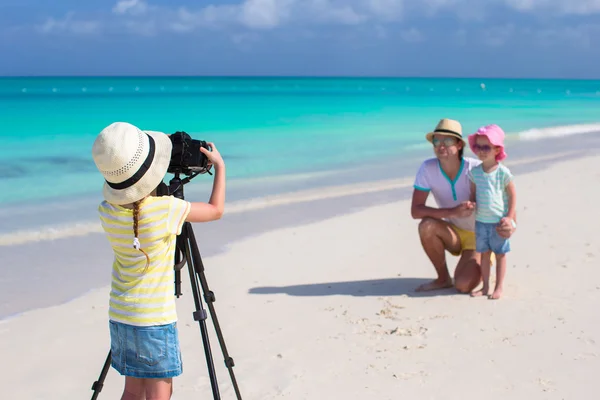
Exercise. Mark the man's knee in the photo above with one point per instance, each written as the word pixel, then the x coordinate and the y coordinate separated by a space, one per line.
pixel 428 227
pixel 467 277
pixel 464 285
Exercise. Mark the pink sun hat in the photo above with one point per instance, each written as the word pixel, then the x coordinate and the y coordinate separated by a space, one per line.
pixel 495 135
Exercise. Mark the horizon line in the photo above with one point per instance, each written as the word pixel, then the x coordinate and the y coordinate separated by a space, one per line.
pixel 273 76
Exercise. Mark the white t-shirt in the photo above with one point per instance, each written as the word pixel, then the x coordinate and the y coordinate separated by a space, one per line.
pixel 448 193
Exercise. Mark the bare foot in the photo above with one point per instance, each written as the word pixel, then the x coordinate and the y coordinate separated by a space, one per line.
pixel 435 285
pixel 496 295
pixel 482 292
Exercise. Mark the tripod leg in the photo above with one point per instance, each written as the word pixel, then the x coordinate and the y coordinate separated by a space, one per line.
pixel 200 313
pixel 209 297
pixel 180 244
pixel 97 386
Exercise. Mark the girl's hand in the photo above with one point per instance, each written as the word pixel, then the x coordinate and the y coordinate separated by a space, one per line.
pixel 214 157
pixel 506 227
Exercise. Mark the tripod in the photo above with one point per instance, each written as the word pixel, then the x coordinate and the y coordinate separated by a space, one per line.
pixel 186 244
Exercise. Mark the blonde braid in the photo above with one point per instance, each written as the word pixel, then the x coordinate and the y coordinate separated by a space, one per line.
pixel 136 241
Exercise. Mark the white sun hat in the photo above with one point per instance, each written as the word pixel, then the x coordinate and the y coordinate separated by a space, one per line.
pixel 133 162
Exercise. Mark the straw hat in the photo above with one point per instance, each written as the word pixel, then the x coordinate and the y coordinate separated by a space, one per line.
pixel 133 162
pixel 447 127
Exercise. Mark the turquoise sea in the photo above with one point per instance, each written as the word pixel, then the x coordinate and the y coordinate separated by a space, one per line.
pixel 268 129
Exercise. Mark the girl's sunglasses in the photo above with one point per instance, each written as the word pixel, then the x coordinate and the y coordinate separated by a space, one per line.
pixel 447 141
pixel 483 148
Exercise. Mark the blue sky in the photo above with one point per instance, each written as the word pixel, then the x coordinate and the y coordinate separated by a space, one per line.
pixel 483 38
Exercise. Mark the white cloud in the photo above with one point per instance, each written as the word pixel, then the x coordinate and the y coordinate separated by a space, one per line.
pixel 132 7
pixel 433 6
pixel 208 16
pixel 577 7
pixel 386 9
pixel 581 7
pixel 476 9
pixel 70 25
pixel 141 17
pixel 270 14
pixel 327 11
pixel 256 14
pixel 264 13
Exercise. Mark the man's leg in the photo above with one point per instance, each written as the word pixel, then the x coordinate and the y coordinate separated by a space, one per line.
pixel 437 236
pixel 467 274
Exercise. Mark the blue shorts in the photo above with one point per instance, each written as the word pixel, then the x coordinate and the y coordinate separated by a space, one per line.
pixel 486 239
pixel 145 351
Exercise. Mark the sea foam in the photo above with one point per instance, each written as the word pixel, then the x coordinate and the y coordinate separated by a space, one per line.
pixel 83 228
pixel 558 131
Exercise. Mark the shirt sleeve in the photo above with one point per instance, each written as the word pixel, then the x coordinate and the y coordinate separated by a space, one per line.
pixel 470 175
pixel 178 212
pixel 507 176
pixel 422 179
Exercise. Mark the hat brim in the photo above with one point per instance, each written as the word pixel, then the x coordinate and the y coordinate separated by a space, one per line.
pixel 429 136
pixel 151 179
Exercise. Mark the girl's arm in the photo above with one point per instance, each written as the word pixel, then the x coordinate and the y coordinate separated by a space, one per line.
pixel 213 210
pixel 512 201
pixel 508 224
pixel 473 189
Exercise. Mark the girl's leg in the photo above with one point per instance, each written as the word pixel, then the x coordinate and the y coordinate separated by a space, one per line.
pixel 500 272
pixel 159 389
pixel 134 389
pixel 485 275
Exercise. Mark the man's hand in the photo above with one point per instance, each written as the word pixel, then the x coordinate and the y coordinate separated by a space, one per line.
pixel 464 209
pixel 505 227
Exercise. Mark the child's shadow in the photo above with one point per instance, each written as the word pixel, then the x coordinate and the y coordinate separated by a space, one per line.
pixel 375 287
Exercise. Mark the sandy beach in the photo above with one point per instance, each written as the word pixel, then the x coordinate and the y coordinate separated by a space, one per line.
pixel 327 310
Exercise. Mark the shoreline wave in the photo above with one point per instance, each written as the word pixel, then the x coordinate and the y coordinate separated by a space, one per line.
pixel 86 227
pixel 83 228
pixel 558 131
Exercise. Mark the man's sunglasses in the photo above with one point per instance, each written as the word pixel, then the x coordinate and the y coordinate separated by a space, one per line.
pixel 447 141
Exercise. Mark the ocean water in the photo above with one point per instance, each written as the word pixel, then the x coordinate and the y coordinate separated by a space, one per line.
pixel 277 135
pixel 271 131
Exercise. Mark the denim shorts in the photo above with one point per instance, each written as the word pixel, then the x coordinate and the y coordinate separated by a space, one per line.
pixel 486 239
pixel 145 351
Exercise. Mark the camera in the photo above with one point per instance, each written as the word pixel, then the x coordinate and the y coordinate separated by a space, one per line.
pixel 186 157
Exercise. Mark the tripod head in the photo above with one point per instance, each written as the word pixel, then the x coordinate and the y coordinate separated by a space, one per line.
pixel 175 187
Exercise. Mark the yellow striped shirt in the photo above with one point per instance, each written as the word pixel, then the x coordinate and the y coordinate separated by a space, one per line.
pixel 137 297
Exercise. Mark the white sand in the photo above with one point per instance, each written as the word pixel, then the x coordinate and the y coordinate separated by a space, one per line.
pixel 327 311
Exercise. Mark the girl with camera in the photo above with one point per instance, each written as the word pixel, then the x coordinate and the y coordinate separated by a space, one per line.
pixel 142 229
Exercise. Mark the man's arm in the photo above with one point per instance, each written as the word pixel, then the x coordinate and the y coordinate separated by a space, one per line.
pixel 473 188
pixel 419 210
